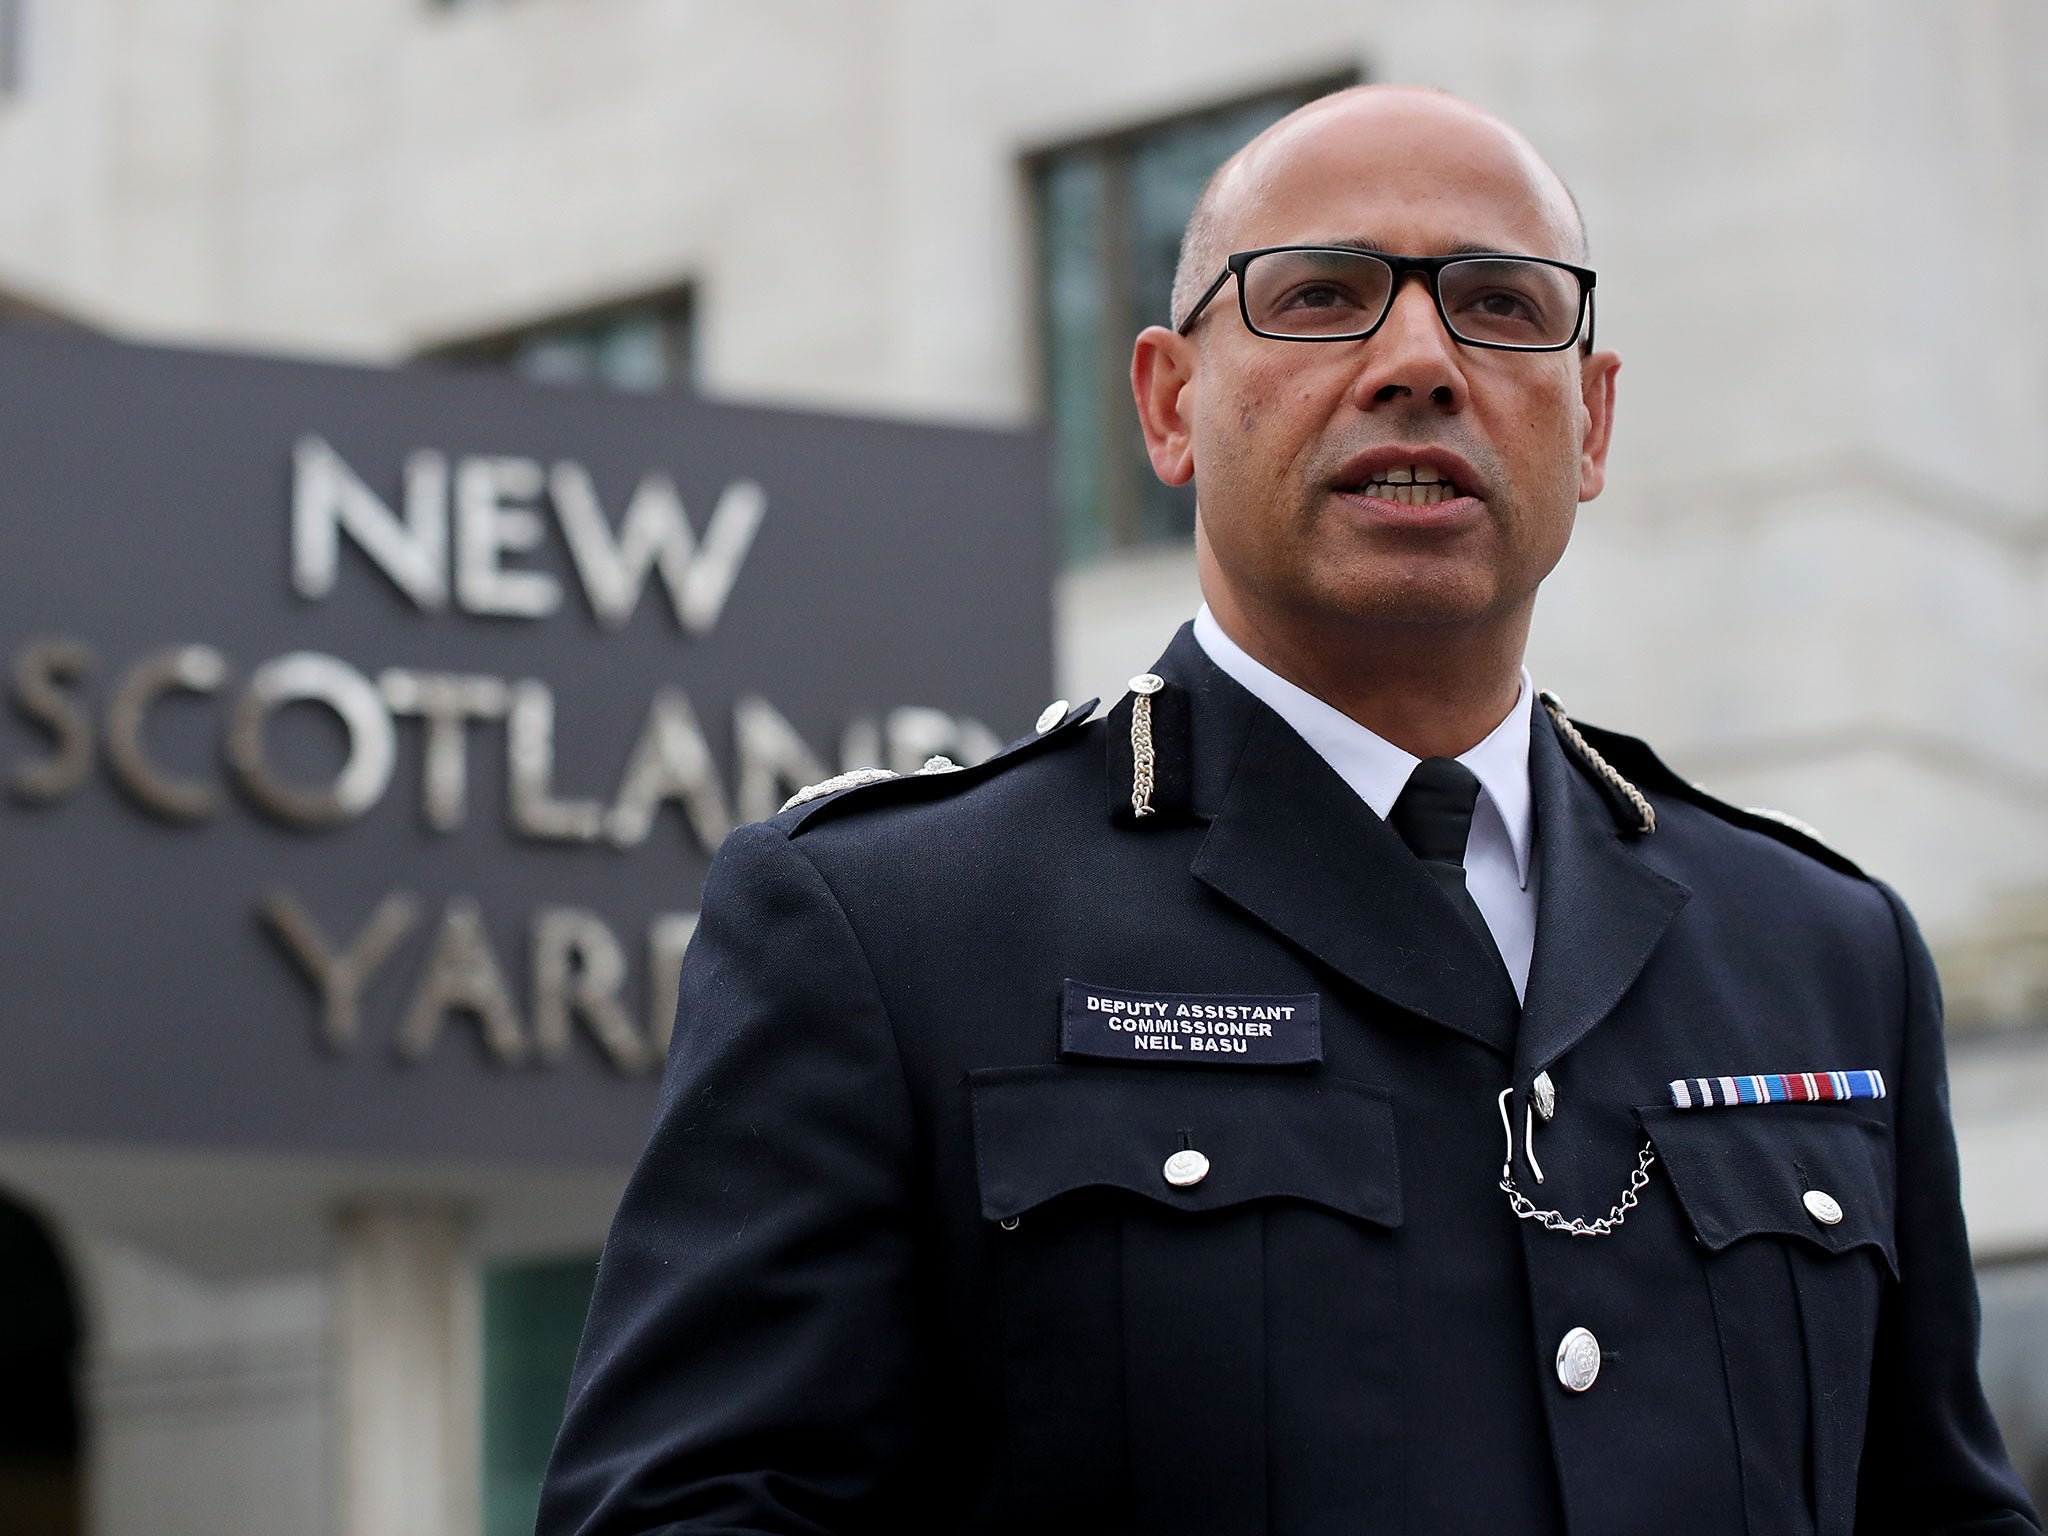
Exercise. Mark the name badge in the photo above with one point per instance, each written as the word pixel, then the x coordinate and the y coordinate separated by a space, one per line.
pixel 1217 1029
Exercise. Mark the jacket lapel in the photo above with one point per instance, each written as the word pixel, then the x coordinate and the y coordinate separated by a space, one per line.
pixel 1600 912
pixel 1291 844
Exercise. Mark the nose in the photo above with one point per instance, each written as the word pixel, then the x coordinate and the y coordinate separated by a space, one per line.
pixel 1411 358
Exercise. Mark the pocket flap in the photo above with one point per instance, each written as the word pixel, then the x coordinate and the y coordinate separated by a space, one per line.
pixel 1041 1132
pixel 1746 1172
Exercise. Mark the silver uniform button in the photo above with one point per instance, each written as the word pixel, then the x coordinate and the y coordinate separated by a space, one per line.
pixel 1186 1168
pixel 1822 1207
pixel 1578 1360
pixel 1545 1092
pixel 1147 682
pixel 1052 715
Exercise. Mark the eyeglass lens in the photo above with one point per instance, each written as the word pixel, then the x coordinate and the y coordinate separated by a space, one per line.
pixel 1493 300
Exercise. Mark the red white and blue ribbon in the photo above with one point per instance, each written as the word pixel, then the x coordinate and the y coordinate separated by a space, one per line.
pixel 1774 1088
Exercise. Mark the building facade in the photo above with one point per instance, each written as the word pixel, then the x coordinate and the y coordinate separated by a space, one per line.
pixel 1817 580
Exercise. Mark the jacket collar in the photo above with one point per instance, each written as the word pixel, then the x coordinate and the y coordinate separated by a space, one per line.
pixel 1375 768
pixel 1600 912
pixel 1293 846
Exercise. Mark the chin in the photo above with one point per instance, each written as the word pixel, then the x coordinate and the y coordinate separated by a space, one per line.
pixel 1437 598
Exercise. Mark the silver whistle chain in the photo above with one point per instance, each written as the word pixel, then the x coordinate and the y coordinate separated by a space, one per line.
pixel 1557 1221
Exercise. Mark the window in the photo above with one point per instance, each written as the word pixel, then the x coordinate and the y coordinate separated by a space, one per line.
pixel 13 46
pixel 2015 1362
pixel 532 1320
pixel 642 344
pixel 1110 213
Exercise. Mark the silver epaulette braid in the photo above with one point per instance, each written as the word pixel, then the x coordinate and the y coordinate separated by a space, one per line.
pixel 1592 759
pixel 1144 765
pixel 853 778
pixel 1142 760
pixel 859 778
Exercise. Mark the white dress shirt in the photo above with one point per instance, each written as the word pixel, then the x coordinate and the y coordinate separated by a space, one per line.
pixel 1500 856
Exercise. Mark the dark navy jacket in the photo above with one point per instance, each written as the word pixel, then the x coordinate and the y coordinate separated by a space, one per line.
pixel 892 1263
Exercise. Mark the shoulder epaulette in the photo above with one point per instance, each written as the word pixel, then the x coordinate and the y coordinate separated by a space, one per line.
pixel 867 787
pixel 1636 759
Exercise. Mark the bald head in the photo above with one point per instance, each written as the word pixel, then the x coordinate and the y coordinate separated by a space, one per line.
pixel 1393 130
pixel 1373 517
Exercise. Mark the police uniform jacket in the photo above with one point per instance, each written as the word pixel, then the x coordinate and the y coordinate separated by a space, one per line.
pixel 902 1254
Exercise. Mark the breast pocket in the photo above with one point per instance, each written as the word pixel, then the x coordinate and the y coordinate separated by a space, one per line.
pixel 1793 1205
pixel 1162 1239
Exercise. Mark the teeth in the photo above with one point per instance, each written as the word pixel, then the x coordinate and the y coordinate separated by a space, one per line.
pixel 1412 485
pixel 1411 493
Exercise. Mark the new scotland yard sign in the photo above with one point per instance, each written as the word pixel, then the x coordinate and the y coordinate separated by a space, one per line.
pixel 370 731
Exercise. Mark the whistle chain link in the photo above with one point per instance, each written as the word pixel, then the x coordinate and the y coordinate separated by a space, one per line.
pixel 1142 760
pixel 1578 1226
pixel 1557 1221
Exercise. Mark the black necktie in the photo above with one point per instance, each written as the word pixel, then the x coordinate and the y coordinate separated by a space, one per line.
pixel 1433 814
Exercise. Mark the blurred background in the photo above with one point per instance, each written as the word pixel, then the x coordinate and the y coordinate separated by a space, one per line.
pixel 1816 582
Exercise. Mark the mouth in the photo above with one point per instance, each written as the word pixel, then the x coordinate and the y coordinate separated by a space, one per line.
pixel 1409 477
pixel 1408 485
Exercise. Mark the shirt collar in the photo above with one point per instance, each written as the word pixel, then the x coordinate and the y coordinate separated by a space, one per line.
pixel 1374 767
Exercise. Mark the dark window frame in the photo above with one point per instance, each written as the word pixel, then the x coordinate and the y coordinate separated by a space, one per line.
pixel 500 346
pixel 1116 522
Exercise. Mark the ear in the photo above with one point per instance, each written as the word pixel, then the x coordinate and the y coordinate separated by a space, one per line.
pixel 1162 383
pixel 1596 393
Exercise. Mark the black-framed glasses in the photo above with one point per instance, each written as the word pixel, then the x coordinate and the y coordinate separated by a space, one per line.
pixel 1344 293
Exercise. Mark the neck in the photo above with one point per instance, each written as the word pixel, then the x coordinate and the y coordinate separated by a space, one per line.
pixel 1436 690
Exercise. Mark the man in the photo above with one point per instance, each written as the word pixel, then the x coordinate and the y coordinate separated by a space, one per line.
pixel 1110 1138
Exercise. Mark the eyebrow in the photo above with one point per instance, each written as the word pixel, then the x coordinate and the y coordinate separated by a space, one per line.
pixel 1460 248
